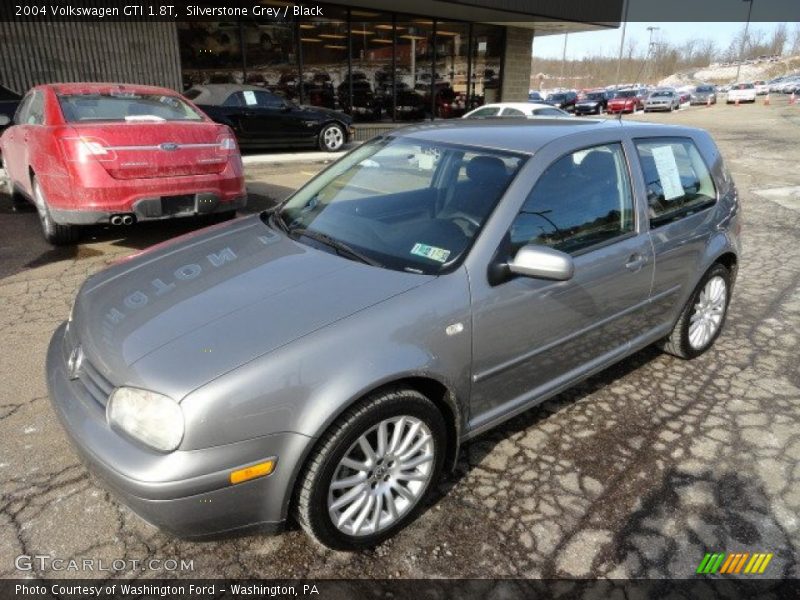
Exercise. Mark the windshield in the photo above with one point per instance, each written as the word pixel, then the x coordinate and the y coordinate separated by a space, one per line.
pixel 626 94
pixel 594 96
pixel 556 97
pixel 704 88
pixel 661 95
pixel 743 86
pixel 125 106
pixel 401 203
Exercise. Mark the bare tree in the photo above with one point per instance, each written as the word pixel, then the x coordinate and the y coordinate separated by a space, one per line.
pixel 778 39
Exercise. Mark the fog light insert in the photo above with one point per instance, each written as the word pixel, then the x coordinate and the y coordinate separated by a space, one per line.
pixel 261 469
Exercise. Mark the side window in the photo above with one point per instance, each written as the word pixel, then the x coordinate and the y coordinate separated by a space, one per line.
pixel 548 112
pixel 21 116
pixel 582 199
pixel 36 110
pixel 267 100
pixel 234 100
pixel 489 111
pixel 512 112
pixel 677 179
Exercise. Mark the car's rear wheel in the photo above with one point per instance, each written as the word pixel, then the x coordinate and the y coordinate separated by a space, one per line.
pixel 53 232
pixel 331 138
pixel 371 471
pixel 703 315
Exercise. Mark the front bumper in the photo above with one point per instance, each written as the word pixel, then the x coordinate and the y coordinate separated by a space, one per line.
pixel 186 493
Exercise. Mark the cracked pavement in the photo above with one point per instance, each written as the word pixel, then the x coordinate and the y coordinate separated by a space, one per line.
pixel 636 472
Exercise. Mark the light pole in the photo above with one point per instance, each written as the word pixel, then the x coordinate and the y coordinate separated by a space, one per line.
pixel 744 38
pixel 651 29
pixel 563 59
pixel 622 41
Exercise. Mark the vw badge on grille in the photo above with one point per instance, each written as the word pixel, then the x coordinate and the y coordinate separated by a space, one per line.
pixel 74 362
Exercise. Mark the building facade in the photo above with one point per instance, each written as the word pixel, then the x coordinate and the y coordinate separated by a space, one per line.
pixel 439 59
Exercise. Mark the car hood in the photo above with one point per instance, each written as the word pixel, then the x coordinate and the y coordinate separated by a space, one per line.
pixel 187 311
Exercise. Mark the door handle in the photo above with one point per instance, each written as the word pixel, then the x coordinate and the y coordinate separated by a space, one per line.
pixel 635 262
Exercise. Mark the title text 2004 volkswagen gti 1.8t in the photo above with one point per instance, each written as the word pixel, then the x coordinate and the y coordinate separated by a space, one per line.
pixel 324 361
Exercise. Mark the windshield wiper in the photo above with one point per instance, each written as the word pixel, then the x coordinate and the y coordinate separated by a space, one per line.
pixel 275 216
pixel 341 248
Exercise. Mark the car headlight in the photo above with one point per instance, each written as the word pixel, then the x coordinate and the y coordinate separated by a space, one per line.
pixel 153 419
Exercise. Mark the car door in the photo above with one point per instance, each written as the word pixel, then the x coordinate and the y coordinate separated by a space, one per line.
pixel 532 337
pixel 267 118
pixel 680 192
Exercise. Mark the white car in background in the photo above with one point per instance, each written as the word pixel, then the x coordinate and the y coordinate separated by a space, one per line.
pixel 516 109
pixel 741 92
pixel 762 87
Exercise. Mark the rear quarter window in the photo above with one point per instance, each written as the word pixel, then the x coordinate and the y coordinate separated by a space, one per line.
pixel 677 179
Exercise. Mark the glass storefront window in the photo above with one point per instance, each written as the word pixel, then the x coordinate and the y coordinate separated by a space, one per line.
pixel 375 65
pixel 270 53
pixel 487 52
pixel 452 54
pixel 323 44
pixel 211 52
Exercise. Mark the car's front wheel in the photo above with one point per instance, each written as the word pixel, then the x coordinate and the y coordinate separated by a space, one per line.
pixel 331 138
pixel 371 471
pixel 53 232
pixel 703 316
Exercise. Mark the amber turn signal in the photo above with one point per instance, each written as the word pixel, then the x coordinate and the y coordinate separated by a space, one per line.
pixel 252 472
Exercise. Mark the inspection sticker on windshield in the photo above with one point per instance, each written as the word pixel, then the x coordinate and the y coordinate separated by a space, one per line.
pixel 431 252
pixel 668 173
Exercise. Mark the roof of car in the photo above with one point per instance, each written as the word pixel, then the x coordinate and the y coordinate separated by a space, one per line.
pixel 217 93
pixel 517 105
pixel 101 87
pixel 513 135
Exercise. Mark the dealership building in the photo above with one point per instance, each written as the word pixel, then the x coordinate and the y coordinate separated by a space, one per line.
pixel 436 58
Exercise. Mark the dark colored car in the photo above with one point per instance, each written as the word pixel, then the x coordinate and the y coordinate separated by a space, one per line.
pixel 535 97
pixel 595 103
pixel 9 101
pixel 563 100
pixel 261 118
pixel 364 104
pixel 704 94
pixel 409 105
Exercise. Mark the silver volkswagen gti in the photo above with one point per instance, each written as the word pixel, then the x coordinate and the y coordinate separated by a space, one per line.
pixel 325 360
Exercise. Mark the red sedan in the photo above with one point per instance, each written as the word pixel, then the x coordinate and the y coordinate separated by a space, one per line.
pixel 625 101
pixel 87 153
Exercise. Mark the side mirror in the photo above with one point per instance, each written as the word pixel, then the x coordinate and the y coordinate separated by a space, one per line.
pixel 4 120
pixel 542 262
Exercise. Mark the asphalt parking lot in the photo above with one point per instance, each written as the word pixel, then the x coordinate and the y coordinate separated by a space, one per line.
pixel 636 472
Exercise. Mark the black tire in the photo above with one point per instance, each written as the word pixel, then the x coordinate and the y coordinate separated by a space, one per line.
pixel 54 233
pixel 311 503
pixel 332 137
pixel 677 343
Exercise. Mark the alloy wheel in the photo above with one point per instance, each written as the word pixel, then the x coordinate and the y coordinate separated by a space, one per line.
pixel 382 476
pixel 709 311
pixel 333 138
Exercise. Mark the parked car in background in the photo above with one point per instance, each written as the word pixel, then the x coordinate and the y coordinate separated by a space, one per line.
pixel 535 97
pixel 593 103
pixel 516 109
pixel 762 87
pixel 86 153
pixel 9 101
pixel 663 99
pixel 263 119
pixel 626 101
pixel 563 100
pixel 498 264
pixel 741 92
pixel 704 94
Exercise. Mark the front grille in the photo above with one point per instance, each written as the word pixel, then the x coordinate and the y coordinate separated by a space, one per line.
pixel 96 385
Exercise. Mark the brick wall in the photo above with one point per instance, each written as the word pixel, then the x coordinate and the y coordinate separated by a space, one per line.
pixel 125 52
pixel 517 65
